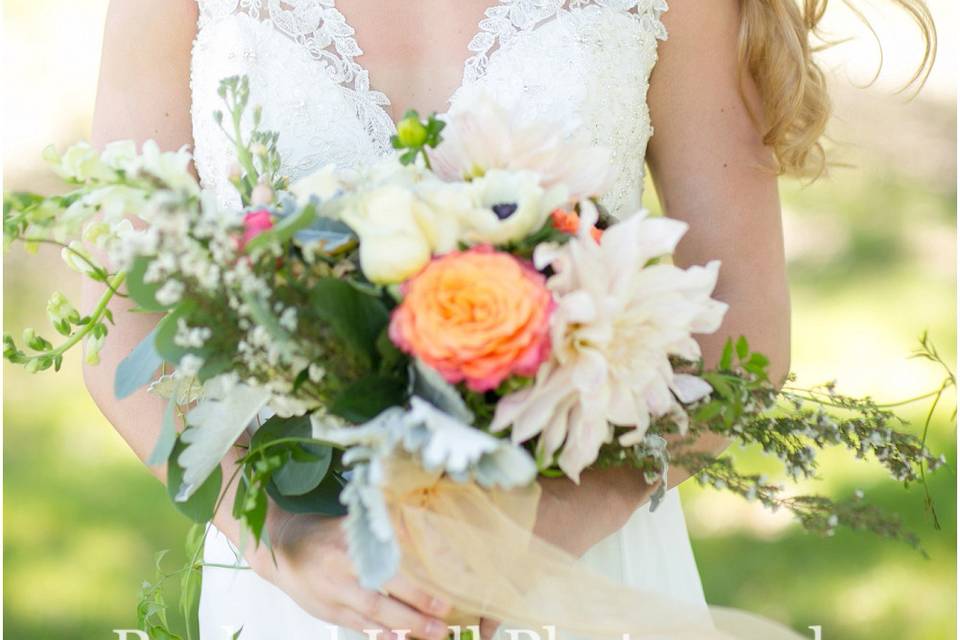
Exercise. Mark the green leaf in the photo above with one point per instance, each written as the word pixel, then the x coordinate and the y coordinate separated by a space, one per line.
pixel 138 368
pixel 168 435
pixel 392 360
pixel 726 360
pixel 297 476
pixel 323 500
pixel 743 349
pixel 200 506
pixel 255 517
pixel 356 317
pixel 368 397
pixel 143 293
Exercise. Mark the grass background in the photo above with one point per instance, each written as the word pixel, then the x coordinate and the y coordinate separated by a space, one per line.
pixel 872 258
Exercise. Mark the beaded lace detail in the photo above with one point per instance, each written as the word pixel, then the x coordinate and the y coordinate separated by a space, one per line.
pixel 585 63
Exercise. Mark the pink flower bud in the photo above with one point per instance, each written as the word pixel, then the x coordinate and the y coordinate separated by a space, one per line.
pixel 255 223
pixel 261 196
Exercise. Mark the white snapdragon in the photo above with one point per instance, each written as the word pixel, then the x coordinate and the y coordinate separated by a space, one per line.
pixel 81 163
pixel 60 309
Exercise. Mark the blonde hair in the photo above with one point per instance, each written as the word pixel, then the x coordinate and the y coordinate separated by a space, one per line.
pixel 777 42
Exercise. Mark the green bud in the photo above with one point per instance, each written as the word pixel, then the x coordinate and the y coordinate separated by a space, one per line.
pixel 33 365
pixel 411 131
pixel 29 336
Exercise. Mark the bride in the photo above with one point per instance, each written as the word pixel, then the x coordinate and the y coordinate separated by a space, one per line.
pixel 735 99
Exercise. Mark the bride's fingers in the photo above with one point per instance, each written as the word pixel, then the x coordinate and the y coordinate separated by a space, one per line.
pixel 402 588
pixel 488 627
pixel 353 620
pixel 393 614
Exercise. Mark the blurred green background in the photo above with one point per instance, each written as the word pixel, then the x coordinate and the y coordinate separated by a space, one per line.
pixel 872 258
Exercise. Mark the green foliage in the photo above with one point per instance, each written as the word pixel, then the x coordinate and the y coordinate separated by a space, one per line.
pixel 356 317
pixel 368 397
pixel 201 505
pixel 285 462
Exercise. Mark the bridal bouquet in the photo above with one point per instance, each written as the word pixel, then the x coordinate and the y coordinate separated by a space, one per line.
pixel 418 340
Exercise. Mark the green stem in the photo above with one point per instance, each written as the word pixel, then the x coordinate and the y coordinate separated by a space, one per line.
pixel 811 396
pixel 112 285
pixel 426 158
pixel 288 440
pixel 90 263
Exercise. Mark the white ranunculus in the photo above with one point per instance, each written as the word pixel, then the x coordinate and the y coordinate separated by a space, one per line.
pixel 616 325
pixel 482 135
pixel 439 208
pixel 323 183
pixel 393 246
pixel 508 206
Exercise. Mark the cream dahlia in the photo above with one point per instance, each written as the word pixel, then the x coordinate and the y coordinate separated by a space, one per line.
pixel 615 327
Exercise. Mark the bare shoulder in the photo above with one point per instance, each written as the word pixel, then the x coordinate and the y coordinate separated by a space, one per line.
pixel 702 39
pixel 697 91
pixel 144 88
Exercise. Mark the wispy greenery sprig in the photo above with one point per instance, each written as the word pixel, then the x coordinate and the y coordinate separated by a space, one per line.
pixel 791 425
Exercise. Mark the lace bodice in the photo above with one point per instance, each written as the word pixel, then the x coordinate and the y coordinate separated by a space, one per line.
pixel 582 63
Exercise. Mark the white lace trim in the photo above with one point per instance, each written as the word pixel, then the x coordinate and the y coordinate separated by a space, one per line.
pixel 506 20
pixel 320 28
pixel 327 36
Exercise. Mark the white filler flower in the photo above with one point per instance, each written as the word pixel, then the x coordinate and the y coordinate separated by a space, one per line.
pixel 617 323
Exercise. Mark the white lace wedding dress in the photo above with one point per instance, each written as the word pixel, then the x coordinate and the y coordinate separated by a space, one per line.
pixel 583 63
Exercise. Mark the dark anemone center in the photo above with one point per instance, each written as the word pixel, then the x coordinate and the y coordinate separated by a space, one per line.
pixel 505 210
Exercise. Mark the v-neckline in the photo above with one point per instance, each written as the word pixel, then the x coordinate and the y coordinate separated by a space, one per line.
pixel 388 103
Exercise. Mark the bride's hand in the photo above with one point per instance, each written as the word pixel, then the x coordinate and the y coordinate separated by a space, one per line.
pixel 313 568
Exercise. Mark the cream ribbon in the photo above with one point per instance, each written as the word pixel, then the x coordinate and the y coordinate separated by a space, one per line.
pixel 475 548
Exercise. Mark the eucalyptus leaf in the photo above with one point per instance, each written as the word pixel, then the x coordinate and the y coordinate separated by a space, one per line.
pixel 138 368
pixel 322 500
pixel 331 235
pixel 168 436
pixel 199 505
pixel 297 476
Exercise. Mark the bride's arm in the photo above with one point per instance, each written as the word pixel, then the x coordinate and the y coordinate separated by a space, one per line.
pixel 144 93
pixel 712 171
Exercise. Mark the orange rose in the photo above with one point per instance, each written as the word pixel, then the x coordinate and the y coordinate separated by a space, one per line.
pixel 569 222
pixel 476 316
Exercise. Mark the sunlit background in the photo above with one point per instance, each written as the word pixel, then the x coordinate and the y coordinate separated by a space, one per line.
pixel 872 263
